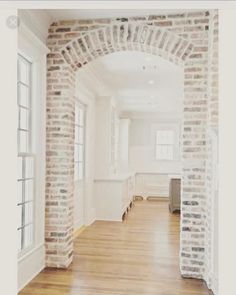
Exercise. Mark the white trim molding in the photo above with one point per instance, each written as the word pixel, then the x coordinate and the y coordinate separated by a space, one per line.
pixel 30 265
pixel 32 261
pixel 25 32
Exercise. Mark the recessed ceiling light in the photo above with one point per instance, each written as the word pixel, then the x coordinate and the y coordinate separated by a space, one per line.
pixel 150 82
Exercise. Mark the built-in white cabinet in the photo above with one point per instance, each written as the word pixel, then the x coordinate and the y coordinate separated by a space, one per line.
pixel 113 196
pixel 113 186
pixel 152 185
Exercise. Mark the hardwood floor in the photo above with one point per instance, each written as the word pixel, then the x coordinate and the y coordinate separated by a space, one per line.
pixel 137 257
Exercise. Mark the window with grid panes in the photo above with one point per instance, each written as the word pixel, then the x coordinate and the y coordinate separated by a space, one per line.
pixel 79 157
pixel 164 145
pixel 114 137
pixel 25 181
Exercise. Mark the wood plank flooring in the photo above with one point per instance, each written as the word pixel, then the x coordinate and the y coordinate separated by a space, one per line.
pixel 137 257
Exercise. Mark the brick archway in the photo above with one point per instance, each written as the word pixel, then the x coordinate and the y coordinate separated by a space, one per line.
pixel 124 37
pixel 180 38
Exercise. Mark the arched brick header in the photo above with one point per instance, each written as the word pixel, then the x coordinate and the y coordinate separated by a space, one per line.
pixel 123 37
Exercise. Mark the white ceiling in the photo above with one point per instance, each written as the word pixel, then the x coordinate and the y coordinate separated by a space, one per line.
pixel 157 88
pixel 60 14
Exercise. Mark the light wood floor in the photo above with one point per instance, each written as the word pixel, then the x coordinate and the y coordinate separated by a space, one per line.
pixel 137 257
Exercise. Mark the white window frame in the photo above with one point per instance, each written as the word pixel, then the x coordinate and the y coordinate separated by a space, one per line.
pixel 24 155
pixel 80 106
pixel 114 134
pixel 172 145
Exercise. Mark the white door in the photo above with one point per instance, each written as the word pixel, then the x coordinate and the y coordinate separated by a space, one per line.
pixel 79 166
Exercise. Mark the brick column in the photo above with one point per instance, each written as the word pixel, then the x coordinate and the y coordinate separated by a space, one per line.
pixel 59 162
pixel 193 196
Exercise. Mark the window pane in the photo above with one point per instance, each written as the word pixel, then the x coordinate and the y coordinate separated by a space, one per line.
pixel 29 190
pixel 164 152
pixel 76 115
pixel 76 171
pixel 169 152
pixel 81 154
pixel 19 216
pixel 28 235
pixel 76 155
pixel 81 117
pixel 23 95
pixel 24 68
pixel 19 235
pixel 23 141
pixel 80 170
pixel 79 142
pixel 76 134
pixel 19 167
pixel 158 152
pixel 81 135
pixel 160 137
pixel 165 137
pixel 169 137
pixel 24 119
pixel 28 217
pixel 29 167
pixel 19 192
pixel 25 164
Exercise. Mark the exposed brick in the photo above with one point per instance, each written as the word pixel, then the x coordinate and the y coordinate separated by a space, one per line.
pixel 164 23
pixel 199 31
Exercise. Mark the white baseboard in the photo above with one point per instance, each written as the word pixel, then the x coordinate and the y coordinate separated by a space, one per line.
pixel 78 223
pixel 91 218
pixel 31 265
pixel 108 219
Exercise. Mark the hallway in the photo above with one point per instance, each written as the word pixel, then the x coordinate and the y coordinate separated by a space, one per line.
pixel 138 256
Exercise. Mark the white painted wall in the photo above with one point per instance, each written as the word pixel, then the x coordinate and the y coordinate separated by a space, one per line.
pixel 32 262
pixel 37 20
pixel 142 146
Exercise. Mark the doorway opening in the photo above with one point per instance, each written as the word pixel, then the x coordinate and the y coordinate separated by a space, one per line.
pixel 137 129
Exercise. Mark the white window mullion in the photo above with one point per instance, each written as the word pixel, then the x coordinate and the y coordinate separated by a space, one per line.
pixel 26 161
pixel 165 145
pixel 79 142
